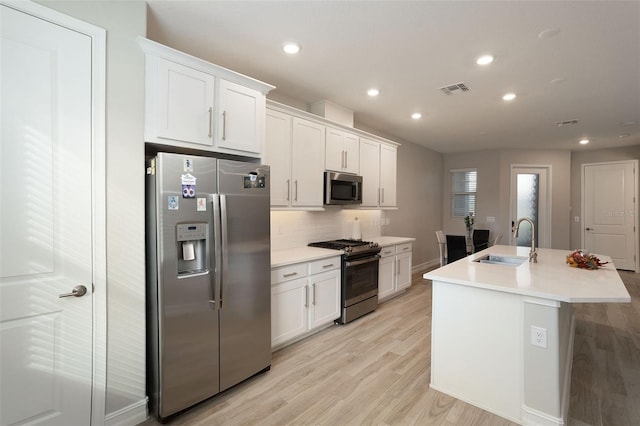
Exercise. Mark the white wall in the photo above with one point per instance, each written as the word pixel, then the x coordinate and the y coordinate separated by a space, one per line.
pixel 419 195
pixel 493 195
pixel 124 21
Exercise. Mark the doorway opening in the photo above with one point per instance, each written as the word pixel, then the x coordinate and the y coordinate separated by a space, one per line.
pixel 531 198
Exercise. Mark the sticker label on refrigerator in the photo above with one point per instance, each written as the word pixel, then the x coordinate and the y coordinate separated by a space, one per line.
pixel 173 202
pixel 201 204
pixel 188 186
pixel 187 165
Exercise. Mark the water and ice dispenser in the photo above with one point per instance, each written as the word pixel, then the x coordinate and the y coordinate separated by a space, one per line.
pixel 191 240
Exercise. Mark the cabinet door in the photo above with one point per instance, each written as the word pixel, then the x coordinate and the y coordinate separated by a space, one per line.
pixel 388 177
pixel 184 104
pixel 324 298
pixel 403 271
pixel 351 145
pixel 278 156
pixel 289 317
pixel 240 118
pixel 370 171
pixel 386 277
pixel 307 163
pixel 334 152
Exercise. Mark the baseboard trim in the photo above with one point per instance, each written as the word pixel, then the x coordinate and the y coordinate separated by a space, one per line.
pixel 425 266
pixel 130 415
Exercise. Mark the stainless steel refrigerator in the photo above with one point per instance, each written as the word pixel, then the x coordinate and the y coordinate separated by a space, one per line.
pixel 208 278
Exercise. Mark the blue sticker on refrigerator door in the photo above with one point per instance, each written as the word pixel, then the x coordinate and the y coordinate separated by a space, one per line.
pixel 173 203
pixel 188 186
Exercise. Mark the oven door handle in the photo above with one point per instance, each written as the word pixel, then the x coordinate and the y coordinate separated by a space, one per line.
pixel 362 262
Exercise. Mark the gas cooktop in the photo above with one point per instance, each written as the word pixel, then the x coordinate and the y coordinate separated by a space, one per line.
pixel 348 246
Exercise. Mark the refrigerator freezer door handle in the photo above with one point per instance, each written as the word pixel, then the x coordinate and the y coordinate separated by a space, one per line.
pixel 216 280
pixel 224 238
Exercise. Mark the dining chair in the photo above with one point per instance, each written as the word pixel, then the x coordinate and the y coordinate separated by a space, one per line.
pixel 456 247
pixel 480 239
pixel 442 245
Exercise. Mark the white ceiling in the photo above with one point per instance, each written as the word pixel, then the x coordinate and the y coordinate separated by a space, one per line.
pixel 589 71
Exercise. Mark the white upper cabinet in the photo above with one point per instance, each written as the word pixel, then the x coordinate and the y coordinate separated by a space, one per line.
pixel 370 171
pixel 278 156
pixel 388 175
pixel 378 169
pixel 183 106
pixel 240 118
pixel 194 104
pixel 295 153
pixel 307 167
pixel 342 151
pixel 300 146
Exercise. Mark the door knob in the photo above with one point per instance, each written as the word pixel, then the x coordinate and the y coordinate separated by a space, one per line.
pixel 78 291
pixel 589 229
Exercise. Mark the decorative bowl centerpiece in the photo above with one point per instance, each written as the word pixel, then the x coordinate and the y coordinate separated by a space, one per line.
pixel 581 260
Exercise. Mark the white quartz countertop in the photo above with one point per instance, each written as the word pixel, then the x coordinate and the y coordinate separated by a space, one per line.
pixel 390 241
pixel 550 278
pixel 300 254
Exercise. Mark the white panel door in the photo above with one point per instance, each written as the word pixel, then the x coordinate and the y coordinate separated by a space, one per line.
pixel 45 223
pixel 609 211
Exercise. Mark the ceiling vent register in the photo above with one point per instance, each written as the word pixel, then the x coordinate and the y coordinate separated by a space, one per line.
pixel 455 89
pixel 566 123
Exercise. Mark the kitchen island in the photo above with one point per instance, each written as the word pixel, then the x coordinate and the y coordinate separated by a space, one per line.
pixel 503 330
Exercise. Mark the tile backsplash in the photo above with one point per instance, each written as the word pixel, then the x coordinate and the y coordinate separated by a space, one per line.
pixel 291 229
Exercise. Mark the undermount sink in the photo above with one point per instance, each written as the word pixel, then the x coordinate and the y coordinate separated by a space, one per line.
pixel 496 259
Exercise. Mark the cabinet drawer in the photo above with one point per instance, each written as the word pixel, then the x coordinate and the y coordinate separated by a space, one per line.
pixel 403 248
pixel 287 273
pixel 388 251
pixel 324 265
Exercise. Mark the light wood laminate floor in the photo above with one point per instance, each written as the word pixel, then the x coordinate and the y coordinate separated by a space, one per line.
pixel 376 370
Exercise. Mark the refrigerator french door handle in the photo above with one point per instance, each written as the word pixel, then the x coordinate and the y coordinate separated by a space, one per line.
pixel 224 239
pixel 216 282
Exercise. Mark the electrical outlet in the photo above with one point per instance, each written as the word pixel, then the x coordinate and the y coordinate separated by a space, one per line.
pixel 538 336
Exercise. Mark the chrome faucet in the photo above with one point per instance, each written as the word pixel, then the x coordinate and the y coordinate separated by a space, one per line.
pixel 533 254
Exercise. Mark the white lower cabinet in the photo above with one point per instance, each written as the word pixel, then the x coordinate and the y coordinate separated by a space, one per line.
pixel 394 274
pixel 304 297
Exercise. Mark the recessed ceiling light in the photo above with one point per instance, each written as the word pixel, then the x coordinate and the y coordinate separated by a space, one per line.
pixel 624 135
pixel 629 123
pixel 291 48
pixel 416 116
pixel 373 92
pixel 584 141
pixel 484 60
pixel 558 80
pixel 509 97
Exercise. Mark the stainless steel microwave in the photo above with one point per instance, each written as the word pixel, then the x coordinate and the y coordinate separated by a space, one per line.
pixel 342 188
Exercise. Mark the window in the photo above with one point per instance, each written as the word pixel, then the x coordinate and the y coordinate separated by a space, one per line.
pixel 463 192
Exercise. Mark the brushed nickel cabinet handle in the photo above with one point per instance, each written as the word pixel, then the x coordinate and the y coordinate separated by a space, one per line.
pixel 210 121
pixel 224 125
pixel 293 274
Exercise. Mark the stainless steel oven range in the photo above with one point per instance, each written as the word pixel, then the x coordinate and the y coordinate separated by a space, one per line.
pixel 360 262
